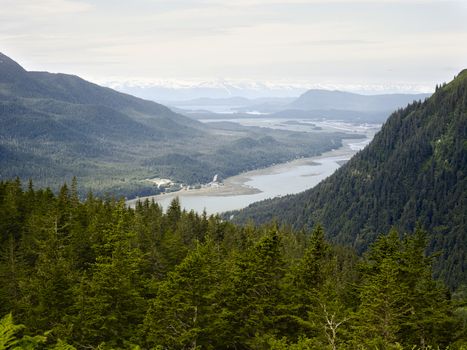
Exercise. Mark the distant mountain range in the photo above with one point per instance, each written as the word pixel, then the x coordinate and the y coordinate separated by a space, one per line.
pixel 232 101
pixel 173 90
pixel 346 106
pixel 311 104
pixel 56 126
pixel 170 91
pixel 414 171
pixel 340 100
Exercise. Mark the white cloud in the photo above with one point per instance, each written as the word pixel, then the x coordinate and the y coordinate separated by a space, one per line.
pixel 43 7
pixel 249 3
pixel 332 41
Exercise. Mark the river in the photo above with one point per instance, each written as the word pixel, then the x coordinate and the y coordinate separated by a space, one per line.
pixel 288 178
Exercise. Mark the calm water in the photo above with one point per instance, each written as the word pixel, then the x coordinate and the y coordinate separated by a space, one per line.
pixel 279 180
pixel 290 180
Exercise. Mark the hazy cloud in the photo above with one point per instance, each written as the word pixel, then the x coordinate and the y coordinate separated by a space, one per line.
pixel 331 41
pixel 43 7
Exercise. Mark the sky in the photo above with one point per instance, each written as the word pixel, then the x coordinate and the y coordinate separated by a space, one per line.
pixel 371 43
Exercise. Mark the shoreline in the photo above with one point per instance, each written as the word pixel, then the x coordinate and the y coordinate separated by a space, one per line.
pixel 236 185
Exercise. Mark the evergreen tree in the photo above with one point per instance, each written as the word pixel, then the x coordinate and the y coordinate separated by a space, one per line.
pixel 185 311
pixel 256 295
pixel 98 274
pixel 109 301
pixel 319 287
pixel 400 302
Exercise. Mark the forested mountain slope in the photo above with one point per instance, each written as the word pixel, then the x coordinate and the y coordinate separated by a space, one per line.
pixel 413 171
pixel 99 275
pixel 56 126
pixel 47 89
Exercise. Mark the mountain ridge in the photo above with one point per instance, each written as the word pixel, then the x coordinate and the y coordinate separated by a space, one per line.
pixel 64 124
pixel 56 126
pixel 317 99
pixel 413 171
pixel 58 86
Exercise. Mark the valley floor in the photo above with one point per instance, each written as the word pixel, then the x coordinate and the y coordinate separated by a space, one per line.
pixel 239 191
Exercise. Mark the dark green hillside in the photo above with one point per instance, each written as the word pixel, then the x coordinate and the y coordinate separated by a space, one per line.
pixel 73 89
pixel 96 274
pixel 413 171
pixel 56 126
pixel 43 90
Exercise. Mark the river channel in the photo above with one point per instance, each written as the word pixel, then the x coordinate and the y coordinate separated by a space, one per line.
pixel 287 178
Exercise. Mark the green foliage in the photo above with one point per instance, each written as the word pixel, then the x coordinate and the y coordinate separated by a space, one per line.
pixel 254 299
pixel 61 345
pixel 97 274
pixel 400 302
pixel 183 314
pixel 7 332
pixel 413 171
pixel 11 338
pixel 54 125
pixel 283 344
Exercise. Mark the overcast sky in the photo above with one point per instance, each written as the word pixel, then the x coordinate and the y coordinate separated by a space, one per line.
pixel 419 42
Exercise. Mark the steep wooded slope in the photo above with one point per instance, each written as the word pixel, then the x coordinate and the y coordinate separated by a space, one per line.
pixel 413 171
pixel 56 126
